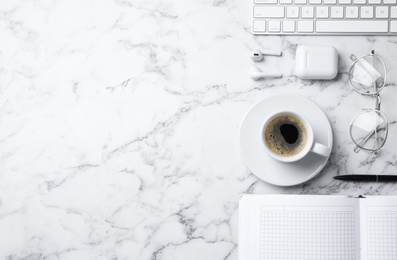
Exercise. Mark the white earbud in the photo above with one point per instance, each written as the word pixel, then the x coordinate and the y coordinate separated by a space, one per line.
pixel 257 55
pixel 256 74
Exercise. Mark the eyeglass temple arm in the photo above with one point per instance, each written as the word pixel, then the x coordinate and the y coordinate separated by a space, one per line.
pixel 377 107
pixel 377 103
pixel 370 134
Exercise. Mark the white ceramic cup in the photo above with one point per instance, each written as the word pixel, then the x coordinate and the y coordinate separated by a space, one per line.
pixel 310 145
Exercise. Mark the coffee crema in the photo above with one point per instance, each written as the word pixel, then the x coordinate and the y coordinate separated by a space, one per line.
pixel 285 135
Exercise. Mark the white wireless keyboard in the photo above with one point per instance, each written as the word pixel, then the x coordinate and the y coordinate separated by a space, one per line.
pixel 325 17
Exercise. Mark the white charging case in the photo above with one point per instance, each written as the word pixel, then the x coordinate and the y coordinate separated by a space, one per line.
pixel 316 62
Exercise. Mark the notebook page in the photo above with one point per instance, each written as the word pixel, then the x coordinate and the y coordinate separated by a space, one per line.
pixel 379 227
pixel 303 228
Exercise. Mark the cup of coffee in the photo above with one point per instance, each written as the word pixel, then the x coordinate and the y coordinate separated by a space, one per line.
pixel 288 137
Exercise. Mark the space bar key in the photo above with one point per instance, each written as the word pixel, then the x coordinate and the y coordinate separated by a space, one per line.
pixel 351 26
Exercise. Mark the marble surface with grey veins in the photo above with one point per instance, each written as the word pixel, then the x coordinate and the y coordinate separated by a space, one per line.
pixel 119 126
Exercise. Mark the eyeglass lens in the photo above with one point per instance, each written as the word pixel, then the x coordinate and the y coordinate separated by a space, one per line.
pixel 369 130
pixel 367 75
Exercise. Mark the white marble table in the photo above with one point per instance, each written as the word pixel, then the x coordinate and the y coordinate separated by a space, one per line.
pixel 119 124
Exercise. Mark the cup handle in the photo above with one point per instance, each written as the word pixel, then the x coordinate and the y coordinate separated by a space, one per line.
pixel 320 149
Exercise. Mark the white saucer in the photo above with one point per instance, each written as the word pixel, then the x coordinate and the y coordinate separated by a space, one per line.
pixel 263 165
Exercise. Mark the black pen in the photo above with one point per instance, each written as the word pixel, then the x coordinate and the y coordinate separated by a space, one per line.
pixel 367 177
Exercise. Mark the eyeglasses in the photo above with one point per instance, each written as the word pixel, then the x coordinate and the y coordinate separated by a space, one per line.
pixel 367 76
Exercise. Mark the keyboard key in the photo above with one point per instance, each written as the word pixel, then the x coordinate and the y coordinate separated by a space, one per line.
pixel 393 26
pixel 274 26
pixel 382 12
pixel 286 2
pixel 307 12
pixel 300 2
pixel 259 26
pixel 367 12
pixel 315 2
pixel 352 26
pixel 288 26
pixel 322 11
pixel 336 12
pixel 374 2
pixel 269 11
pixel 305 26
pixel 390 2
pixel 359 2
pixel 330 2
pixel 352 12
pixel 345 2
pixel 265 1
pixel 292 12
pixel 393 12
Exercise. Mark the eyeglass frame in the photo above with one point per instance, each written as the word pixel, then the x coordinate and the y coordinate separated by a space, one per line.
pixel 377 103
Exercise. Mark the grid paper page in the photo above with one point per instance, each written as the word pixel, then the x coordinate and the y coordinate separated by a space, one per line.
pixel 382 235
pixel 305 235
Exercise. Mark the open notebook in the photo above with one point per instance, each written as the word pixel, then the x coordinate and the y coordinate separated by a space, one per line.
pixel 304 227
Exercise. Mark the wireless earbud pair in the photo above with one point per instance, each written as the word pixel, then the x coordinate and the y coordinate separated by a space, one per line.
pixel 255 73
